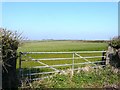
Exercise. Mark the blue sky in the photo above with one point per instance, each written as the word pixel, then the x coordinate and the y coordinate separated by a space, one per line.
pixel 75 20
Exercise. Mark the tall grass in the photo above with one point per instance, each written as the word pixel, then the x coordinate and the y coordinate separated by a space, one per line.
pixel 97 78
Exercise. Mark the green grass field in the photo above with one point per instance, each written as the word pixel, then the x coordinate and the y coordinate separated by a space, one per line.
pixel 59 46
pixel 51 46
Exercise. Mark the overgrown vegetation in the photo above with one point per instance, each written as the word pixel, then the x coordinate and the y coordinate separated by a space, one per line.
pixel 115 42
pixel 10 42
pixel 95 78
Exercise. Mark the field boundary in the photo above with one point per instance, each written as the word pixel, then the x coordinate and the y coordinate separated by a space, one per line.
pixel 53 67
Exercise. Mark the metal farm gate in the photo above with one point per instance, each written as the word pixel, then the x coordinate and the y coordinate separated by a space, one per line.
pixel 32 73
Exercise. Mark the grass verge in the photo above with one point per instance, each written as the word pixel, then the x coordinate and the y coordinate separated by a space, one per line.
pixel 97 78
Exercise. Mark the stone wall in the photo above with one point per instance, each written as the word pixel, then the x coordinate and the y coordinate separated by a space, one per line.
pixel 113 57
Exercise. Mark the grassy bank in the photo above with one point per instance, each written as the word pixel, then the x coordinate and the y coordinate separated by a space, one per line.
pixel 97 78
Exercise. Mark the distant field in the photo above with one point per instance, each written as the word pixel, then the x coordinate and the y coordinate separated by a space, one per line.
pixel 51 46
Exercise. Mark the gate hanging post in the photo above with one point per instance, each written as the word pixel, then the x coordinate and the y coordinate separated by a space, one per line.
pixel 103 57
pixel 72 66
pixel 20 70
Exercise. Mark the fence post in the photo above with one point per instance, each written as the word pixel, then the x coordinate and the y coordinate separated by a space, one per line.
pixel 20 70
pixel 103 58
pixel 30 74
pixel 72 66
pixel 108 54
